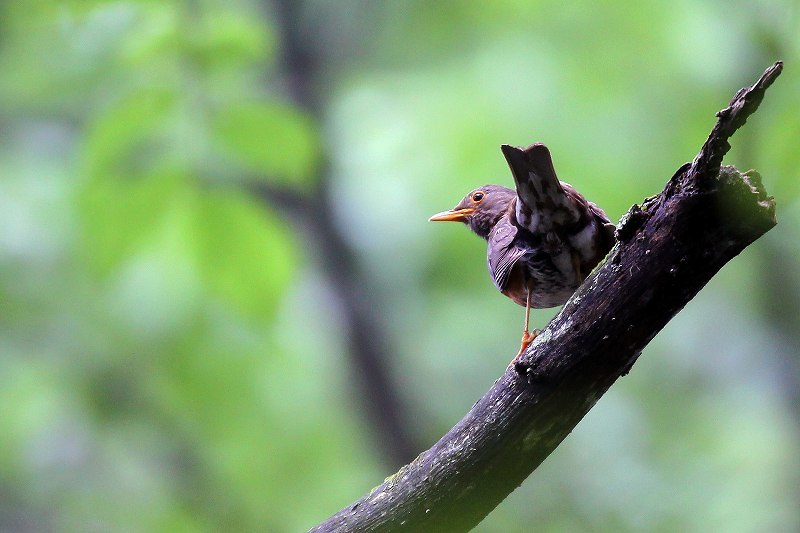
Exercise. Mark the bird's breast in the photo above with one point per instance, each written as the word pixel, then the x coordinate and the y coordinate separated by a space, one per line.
pixel 549 286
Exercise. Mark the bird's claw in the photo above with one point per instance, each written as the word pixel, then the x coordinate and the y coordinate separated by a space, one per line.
pixel 527 339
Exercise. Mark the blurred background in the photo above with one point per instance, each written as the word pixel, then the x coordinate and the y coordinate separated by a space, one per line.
pixel 222 307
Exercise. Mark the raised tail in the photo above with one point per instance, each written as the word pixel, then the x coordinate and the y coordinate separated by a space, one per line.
pixel 543 205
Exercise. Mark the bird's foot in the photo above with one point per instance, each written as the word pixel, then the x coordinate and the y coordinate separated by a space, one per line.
pixel 527 339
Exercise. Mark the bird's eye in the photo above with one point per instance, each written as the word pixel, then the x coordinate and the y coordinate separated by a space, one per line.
pixel 478 196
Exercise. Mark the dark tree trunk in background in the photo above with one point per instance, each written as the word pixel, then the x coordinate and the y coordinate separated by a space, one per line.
pixel 312 211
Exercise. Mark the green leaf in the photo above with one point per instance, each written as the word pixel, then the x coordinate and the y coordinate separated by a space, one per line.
pixel 118 216
pixel 270 139
pixel 245 255
pixel 229 39
pixel 131 137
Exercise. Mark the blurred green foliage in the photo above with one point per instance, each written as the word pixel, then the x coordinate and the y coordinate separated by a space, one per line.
pixel 170 356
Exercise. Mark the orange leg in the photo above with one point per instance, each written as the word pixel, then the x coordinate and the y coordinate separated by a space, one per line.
pixel 527 336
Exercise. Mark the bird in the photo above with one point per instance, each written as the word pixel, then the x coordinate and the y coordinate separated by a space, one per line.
pixel 543 237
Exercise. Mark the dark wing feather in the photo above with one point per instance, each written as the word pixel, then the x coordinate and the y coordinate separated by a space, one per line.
pixel 607 228
pixel 502 252
pixel 595 216
pixel 543 204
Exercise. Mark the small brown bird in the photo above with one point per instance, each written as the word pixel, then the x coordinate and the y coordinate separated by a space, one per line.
pixel 544 238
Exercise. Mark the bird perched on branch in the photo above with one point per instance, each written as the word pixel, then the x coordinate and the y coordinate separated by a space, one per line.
pixel 543 239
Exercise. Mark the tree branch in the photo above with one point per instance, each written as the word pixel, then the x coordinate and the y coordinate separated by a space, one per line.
pixel 668 249
pixel 312 211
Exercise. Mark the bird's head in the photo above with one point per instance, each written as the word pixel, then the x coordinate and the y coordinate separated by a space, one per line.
pixel 480 209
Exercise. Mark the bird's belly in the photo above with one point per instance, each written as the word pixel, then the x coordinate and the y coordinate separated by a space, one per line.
pixel 550 287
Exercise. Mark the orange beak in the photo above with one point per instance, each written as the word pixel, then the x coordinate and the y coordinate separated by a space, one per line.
pixel 454 215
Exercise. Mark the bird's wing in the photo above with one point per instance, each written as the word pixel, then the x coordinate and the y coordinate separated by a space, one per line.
pixel 543 204
pixel 594 216
pixel 502 252
pixel 607 228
